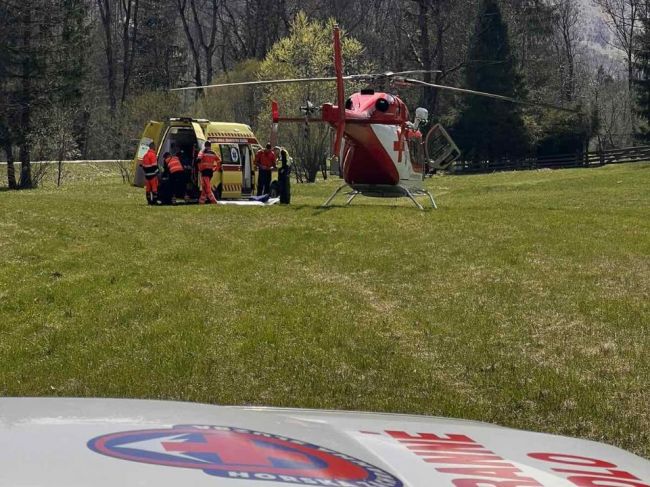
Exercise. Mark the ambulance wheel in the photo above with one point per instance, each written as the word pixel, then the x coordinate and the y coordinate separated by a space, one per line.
pixel 218 191
pixel 275 189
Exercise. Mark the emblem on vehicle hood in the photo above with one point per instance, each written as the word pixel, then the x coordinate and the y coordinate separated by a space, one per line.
pixel 244 454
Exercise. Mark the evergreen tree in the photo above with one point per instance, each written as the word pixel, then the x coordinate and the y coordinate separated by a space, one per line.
pixel 41 70
pixel 488 129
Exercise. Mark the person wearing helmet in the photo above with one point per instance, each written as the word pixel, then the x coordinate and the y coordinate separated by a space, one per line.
pixel 208 163
pixel 149 165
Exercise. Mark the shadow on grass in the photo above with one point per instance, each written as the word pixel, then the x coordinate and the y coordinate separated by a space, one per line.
pixel 322 210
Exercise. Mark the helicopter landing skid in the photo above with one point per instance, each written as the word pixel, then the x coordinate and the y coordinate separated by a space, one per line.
pixel 329 200
pixel 382 192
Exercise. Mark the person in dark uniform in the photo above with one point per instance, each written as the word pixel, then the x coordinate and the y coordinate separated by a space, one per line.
pixel 284 172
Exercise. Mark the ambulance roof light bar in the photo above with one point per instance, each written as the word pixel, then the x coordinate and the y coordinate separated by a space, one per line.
pixel 189 120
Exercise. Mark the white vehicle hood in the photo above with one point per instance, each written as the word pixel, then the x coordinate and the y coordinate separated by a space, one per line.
pixel 103 442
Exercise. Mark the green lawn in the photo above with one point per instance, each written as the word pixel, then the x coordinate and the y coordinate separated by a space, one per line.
pixel 524 300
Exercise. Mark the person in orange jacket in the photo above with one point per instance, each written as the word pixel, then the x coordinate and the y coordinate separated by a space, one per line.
pixel 265 163
pixel 176 176
pixel 150 167
pixel 208 163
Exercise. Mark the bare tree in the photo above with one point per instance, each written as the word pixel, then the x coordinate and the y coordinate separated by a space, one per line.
pixel 129 14
pixel 199 18
pixel 8 149
pixel 6 136
pixel 119 21
pixel 566 19
pixel 6 141
pixel 623 22
pixel 26 96
pixel 439 14
pixel 106 15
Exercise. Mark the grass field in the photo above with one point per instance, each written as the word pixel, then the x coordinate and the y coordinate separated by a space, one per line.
pixel 524 300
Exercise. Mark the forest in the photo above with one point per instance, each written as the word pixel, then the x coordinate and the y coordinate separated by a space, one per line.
pixel 80 78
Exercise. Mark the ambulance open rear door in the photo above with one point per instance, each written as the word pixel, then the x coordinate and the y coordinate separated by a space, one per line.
pixel 200 144
pixel 200 135
pixel 152 133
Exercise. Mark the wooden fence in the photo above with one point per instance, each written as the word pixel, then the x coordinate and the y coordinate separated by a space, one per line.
pixel 589 159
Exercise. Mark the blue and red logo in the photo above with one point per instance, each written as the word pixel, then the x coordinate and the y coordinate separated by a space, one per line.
pixel 238 453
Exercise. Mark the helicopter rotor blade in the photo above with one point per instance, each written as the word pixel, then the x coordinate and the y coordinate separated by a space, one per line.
pixel 387 75
pixel 352 77
pixel 410 82
pixel 257 83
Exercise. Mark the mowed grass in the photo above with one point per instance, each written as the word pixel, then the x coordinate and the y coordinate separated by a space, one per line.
pixel 523 300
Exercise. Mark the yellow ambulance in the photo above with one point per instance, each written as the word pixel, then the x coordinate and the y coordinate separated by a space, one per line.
pixel 235 143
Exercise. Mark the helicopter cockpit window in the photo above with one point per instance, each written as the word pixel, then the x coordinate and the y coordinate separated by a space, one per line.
pixel 348 104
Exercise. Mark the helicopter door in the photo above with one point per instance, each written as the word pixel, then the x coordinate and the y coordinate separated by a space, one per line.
pixel 418 157
pixel 152 133
pixel 441 151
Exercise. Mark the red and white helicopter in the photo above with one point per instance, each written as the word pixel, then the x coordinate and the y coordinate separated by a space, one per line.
pixel 382 153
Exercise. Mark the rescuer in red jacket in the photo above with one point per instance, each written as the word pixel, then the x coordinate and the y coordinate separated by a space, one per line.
pixel 176 176
pixel 208 163
pixel 150 167
pixel 265 163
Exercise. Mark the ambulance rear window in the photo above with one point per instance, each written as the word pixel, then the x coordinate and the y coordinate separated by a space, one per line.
pixel 230 154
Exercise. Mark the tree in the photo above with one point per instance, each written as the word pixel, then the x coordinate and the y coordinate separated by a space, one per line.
pixel 642 83
pixel 623 22
pixel 307 52
pixel 120 23
pixel 41 69
pixel 161 59
pixel 239 103
pixel 255 25
pixel 30 45
pixel 6 136
pixel 199 18
pixel 612 107
pixel 487 129
pixel 566 39
pixel 437 21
